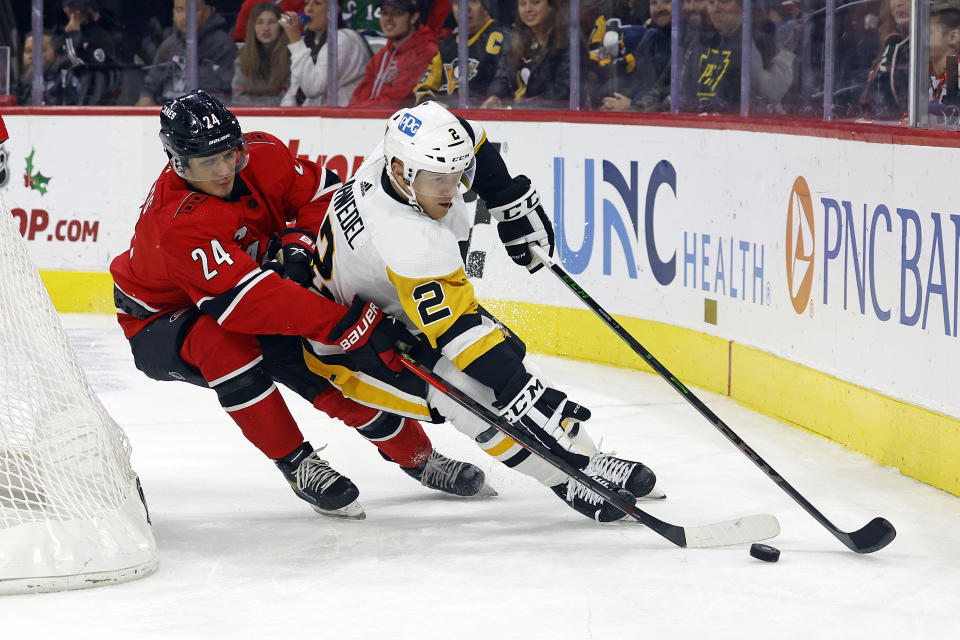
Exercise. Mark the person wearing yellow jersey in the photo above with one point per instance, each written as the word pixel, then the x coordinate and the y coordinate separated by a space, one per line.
pixel 441 81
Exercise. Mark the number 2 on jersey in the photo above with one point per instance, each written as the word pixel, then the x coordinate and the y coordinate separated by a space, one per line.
pixel 430 307
pixel 220 256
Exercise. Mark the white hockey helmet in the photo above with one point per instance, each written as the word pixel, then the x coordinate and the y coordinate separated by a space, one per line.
pixel 433 146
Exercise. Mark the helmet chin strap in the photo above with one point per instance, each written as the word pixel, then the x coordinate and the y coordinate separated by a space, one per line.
pixel 410 194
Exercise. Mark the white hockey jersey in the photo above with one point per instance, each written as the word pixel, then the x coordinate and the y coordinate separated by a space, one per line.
pixel 388 253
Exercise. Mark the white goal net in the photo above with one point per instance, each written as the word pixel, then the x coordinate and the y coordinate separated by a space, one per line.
pixel 71 513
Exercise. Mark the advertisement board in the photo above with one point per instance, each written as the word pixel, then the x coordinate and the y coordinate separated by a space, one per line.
pixel 837 254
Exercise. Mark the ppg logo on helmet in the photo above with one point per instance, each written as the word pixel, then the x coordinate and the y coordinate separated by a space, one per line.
pixel 409 124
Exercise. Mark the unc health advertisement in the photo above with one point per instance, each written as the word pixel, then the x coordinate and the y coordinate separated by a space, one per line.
pixel 836 254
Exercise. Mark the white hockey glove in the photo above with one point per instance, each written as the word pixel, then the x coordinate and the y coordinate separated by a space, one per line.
pixel 543 411
pixel 522 223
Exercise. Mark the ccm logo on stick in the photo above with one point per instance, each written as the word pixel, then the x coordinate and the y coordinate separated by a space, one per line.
pixel 361 328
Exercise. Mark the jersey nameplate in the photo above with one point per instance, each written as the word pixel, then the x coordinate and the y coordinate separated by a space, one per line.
pixel 345 210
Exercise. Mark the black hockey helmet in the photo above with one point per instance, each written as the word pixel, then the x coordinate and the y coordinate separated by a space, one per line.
pixel 197 125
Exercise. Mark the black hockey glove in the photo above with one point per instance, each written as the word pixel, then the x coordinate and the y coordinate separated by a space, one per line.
pixel 522 223
pixel 545 412
pixel 292 254
pixel 370 337
pixel 298 248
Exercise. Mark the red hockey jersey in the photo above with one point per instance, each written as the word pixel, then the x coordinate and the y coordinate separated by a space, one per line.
pixel 190 248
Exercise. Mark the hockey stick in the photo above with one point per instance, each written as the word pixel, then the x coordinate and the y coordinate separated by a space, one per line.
pixel 873 536
pixel 730 532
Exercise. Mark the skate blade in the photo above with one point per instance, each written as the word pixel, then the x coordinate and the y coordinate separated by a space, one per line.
pixel 486 491
pixel 352 511
pixel 655 494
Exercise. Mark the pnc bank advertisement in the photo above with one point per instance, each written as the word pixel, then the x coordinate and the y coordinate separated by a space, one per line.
pixel 840 255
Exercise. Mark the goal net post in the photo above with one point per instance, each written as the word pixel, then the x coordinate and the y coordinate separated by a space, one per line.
pixel 71 511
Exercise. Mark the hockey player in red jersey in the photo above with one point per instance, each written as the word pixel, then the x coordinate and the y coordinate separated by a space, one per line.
pixel 197 306
pixel 394 236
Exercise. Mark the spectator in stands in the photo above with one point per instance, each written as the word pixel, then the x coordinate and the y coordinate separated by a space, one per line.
pixel 216 51
pixel 308 58
pixel 646 86
pixel 485 45
pixel 262 69
pixel 857 47
pixel 611 48
pixel 535 72
pixel 944 49
pixel 694 27
pixel 694 22
pixel 240 27
pixel 885 95
pixel 135 26
pixel 60 87
pixel 90 50
pixel 394 71
pixel 85 40
pixel 710 80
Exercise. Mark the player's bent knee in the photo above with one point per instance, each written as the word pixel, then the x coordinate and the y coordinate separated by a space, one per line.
pixel 244 387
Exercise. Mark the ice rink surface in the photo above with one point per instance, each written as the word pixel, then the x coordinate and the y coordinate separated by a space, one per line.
pixel 242 557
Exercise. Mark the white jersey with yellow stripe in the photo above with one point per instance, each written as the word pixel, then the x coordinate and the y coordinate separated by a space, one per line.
pixel 388 253
pixel 382 250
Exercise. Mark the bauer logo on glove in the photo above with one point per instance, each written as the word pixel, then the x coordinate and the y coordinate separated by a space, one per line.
pixel 359 330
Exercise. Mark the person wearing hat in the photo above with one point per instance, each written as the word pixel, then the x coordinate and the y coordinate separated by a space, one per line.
pixel 484 47
pixel 393 72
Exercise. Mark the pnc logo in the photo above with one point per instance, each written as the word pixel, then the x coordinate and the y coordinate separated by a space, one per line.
pixel 800 245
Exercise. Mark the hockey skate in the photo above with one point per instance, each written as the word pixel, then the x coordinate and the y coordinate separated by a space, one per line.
pixel 314 480
pixel 582 500
pixel 451 476
pixel 635 477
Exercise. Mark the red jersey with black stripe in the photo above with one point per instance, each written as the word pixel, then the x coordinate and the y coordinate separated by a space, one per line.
pixel 190 248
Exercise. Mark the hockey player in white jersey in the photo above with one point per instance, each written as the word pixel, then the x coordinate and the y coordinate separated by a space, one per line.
pixel 392 239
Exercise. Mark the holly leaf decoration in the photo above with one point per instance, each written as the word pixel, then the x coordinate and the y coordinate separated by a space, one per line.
pixel 40 182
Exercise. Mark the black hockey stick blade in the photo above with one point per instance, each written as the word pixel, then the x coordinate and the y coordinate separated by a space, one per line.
pixel 873 536
pixel 730 532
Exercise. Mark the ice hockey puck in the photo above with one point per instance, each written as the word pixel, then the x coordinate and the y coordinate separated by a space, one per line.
pixel 764 552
